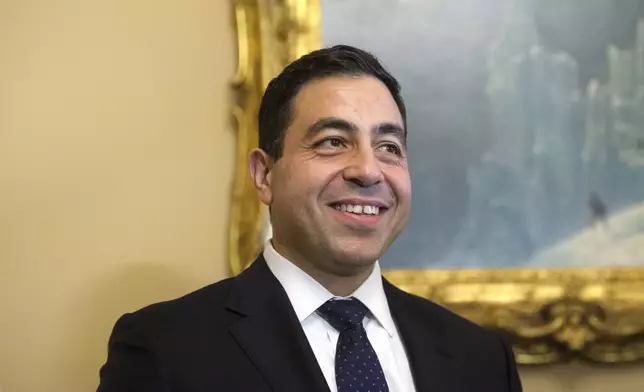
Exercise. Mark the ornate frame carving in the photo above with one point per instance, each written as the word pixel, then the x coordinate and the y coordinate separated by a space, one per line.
pixel 552 315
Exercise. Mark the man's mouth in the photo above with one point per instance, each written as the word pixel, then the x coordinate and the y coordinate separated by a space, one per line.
pixel 359 209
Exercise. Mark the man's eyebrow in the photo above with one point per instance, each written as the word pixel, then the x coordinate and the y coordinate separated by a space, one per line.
pixel 331 122
pixel 341 124
pixel 391 129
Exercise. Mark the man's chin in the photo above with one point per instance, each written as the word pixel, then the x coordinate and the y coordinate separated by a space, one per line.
pixel 353 259
pixel 359 248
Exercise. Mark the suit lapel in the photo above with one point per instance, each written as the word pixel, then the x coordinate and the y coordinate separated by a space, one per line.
pixel 270 334
pixel 432 365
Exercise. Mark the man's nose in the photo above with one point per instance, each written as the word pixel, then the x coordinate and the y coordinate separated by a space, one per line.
pixel 363 169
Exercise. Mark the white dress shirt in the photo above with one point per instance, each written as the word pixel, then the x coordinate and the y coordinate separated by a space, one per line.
pixel 307 295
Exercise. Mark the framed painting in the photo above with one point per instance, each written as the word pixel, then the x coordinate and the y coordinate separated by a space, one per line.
pixel 526 150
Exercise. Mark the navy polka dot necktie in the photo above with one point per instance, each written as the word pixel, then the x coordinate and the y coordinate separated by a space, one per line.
pixel 357 368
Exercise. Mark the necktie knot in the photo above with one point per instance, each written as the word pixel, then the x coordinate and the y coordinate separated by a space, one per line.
pixel 343 314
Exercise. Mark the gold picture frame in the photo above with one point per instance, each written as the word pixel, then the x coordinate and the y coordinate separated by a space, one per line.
pixel 551 315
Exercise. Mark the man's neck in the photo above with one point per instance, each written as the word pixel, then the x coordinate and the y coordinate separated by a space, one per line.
pixel 339 284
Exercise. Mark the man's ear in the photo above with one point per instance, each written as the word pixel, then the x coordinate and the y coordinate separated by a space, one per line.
pixel 261 165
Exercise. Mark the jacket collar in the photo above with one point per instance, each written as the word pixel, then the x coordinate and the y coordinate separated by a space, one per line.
pixel 270 334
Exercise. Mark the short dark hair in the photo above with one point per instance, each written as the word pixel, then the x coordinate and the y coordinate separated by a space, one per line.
pixel 275 112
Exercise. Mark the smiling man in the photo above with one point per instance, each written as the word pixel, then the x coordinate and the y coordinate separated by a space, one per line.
pixel 313 312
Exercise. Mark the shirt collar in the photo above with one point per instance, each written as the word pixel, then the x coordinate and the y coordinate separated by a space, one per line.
pixel 307 295
pixel 372 294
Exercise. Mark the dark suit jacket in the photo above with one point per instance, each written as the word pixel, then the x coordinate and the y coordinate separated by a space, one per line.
pixel 242 335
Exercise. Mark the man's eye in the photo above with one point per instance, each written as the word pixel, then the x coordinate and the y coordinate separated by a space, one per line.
pixel 390 148
pixel 332 142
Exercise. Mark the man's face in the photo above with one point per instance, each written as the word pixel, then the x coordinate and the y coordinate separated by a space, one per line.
pixel 341 192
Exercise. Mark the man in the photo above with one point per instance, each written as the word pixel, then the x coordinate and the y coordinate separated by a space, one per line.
pixel 313 313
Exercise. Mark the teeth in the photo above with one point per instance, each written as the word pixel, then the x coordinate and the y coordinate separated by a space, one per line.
pixel 358 209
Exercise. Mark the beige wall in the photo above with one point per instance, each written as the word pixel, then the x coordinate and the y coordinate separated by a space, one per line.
pixel 115 170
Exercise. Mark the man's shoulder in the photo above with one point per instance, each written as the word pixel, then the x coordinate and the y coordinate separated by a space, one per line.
pixel 479 350
pixel 204 304
pixel 209 308
pixel 453 325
